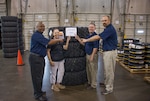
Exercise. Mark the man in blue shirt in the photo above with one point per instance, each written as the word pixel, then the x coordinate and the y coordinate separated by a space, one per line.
pixel 91 49
pixel 36 59
pixel 109 37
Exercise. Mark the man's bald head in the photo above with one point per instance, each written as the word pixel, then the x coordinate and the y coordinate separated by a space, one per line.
pixel 40 27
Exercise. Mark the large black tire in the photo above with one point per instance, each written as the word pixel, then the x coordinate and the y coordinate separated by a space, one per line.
pixel 75 49
pixel 82 32
pixel 9 18
pixel 9 24
pixel 9 29
pixel 10 55
pixel 10 50
pixel 10 45
pixel 9 35
pixel 74 78
pixel 9 40
pixel 75 64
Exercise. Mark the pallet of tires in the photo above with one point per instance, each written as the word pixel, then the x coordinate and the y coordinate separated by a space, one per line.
pixel 9 34
pixel 126 49
pixel 137 55
pixel 75 60
pixel 147 55
pixel 20 35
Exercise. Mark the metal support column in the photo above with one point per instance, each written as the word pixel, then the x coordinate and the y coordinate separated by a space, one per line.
pixel 146 30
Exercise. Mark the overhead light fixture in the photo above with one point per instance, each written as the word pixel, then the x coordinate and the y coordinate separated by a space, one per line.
pixel 140 31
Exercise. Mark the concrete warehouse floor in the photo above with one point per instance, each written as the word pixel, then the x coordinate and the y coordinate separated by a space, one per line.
pixel 16 85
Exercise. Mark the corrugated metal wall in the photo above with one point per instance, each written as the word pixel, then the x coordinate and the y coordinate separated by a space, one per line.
pixel 36 11
pixel 126 14
pixel 137 18
pixel 30 21
pixel 91 11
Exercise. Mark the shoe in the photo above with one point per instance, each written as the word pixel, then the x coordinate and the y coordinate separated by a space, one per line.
pixel 55 88
pixel 106 92
pixel 90 87
pixel 87 85
pixel 44 93
pixel 60 86
pixel 102 84
pixel 41 98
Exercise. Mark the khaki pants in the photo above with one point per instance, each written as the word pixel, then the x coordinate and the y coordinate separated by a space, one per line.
pixel 109 58
pixel 91 69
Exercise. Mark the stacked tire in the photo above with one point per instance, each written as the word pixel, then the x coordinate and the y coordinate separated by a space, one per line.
pixel 20 35
pixel 75 59
pixel 126 53
pixel 147 55
pixel 126 49
pixel 10 36
pixel 137 55
pixel 120 54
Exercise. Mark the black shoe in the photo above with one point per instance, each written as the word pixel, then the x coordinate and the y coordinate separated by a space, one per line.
pixel 44 93
pixel 87 85
pixel 106 92
pixel 41 98
pixel 102 84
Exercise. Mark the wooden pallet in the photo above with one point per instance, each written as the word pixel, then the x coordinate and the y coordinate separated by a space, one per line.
pixel 135 70
pixel 117 59
pixel 147 79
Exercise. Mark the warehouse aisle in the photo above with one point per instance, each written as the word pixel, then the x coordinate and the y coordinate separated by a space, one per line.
pixel 16 85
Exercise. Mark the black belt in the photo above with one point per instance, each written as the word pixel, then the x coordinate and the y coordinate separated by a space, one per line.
pixel 108 50
pixel 35 54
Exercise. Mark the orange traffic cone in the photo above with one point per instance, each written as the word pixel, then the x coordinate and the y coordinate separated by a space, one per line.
pixel 19 59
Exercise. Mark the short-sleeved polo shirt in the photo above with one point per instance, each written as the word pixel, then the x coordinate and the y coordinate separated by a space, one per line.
pixel 90 45
pixel 39 44
pixel 109 37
